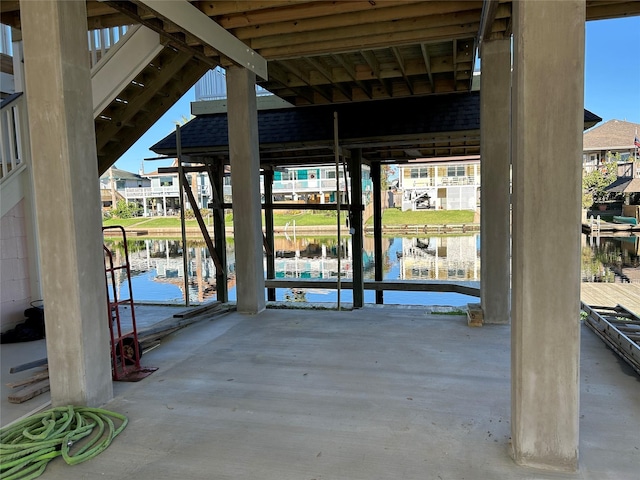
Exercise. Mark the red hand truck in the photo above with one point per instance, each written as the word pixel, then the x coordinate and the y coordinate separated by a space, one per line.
pixel 125 347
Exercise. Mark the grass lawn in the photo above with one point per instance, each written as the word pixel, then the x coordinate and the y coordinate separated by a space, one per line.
pixel 306 219
pixel 141 222
pixel 394 216
pixel 391 216
pixel 124 222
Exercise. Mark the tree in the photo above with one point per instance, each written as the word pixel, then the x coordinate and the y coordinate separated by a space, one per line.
pixel 387 171
pixel 595 182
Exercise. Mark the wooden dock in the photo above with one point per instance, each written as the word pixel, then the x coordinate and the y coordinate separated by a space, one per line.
pixel 611 294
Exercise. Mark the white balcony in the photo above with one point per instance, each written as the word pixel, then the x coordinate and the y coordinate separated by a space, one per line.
pixel 170 191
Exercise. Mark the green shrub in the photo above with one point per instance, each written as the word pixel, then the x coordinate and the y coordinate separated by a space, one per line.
pixel 126 210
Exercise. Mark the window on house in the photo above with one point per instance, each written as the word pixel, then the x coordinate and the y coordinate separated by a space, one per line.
pixel 419 172
pixel 166 181
pixel 456 171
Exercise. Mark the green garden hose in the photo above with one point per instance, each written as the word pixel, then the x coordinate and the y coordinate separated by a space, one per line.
pixel 28 445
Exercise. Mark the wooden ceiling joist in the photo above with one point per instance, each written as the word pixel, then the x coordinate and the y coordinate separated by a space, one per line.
pixel 374 41
pixel 311 15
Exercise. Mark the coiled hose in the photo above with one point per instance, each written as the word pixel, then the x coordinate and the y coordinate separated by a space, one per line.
pixel 28 445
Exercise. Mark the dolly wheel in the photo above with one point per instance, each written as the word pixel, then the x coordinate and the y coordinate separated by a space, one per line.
pixel 131 350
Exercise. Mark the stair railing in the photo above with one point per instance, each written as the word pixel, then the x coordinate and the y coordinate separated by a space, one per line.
pixel 101 40
pixel 13 115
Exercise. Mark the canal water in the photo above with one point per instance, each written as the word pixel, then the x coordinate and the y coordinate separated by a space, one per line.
pixel 158 271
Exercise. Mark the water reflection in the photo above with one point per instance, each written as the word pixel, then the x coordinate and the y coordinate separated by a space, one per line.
pixel 611 259
pixel 158 270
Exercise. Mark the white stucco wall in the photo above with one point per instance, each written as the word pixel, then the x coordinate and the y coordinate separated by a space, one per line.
pixel 15 291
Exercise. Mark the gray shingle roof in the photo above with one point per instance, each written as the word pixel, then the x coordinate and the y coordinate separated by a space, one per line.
pixel 378 121
pixel 120 175
pixel 611 135
pixel 624 185
pixel 383 118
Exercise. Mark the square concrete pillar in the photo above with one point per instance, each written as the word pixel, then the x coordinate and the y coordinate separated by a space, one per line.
pixel 495 153
pixel 67 200
pixel 244 156
pixel 548 83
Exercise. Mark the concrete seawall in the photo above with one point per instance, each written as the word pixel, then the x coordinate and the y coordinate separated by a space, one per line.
pixel 327 230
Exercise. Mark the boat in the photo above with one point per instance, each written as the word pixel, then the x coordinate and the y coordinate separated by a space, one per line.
pixel 625 220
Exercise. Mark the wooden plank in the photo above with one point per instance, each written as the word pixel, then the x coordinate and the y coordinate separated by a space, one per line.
pixel 32 379
pixel 314 15
pixel 30 392
pixel 372 41
pixel 625 294
pixel 222 7
pixel 348 16
pixel 28 365
pixel 411 23
pixel 197 311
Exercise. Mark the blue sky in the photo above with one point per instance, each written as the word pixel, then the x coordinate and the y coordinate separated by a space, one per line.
pixel 612 86
pixel 612 69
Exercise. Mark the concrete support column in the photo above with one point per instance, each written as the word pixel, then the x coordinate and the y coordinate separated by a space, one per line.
pixel 495 135
pixel 548 87
pixel 244 156
pixel 67 200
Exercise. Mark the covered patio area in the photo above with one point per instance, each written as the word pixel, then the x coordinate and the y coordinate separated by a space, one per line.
pixel 262 395
pixel 387 392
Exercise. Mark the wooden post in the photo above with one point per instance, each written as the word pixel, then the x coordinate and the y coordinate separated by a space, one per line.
pixel 377 227
pixel 268 219
pixel 355 225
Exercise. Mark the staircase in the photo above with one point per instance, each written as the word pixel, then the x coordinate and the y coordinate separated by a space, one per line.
pixel 143 100
pixel 152 78
pixel 135 80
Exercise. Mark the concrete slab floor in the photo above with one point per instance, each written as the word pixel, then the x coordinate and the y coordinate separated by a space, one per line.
pixel 379 393
pixel 14 354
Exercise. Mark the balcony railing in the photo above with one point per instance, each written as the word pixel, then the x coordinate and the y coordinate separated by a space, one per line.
pixel 417 183
pixel 471 180
pixel 5 40
pixel 172 191
pixel 322 185
pixel 213 86
pixel 279 187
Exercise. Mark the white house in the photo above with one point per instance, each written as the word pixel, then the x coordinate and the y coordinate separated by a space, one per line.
pixel 614 139
pixel 451 183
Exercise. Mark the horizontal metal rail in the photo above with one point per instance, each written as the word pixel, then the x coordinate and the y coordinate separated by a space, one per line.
pixel 466 288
